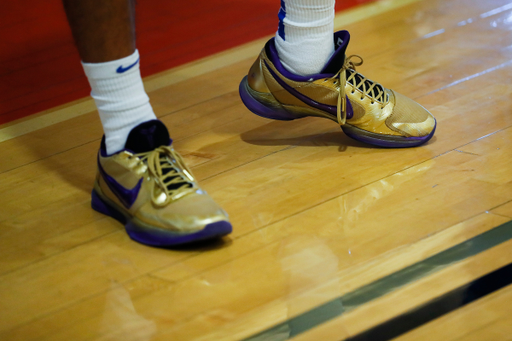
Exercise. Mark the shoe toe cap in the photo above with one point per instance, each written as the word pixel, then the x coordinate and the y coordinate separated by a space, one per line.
pixel 188 214
pixel 410 118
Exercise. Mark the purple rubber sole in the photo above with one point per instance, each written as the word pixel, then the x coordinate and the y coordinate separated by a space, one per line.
pixel 279 113
pixel 156 236
pixel 397 142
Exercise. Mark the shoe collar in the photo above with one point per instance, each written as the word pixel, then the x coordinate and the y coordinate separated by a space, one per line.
pixel 333 65
pixel 143 138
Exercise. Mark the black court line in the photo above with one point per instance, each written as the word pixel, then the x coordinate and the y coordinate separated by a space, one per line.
pixel 438 307
pixel 343 304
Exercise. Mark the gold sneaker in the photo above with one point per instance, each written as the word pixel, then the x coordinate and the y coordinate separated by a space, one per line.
pixel 148 188
pixel 365 110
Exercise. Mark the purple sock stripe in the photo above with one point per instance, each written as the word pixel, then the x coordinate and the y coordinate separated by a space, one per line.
pixel 281 15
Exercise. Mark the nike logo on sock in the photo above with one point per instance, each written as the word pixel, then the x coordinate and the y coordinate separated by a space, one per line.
pixel 126 196
pixel 122 69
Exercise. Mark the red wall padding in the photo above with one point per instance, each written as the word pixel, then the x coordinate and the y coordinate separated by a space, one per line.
pixel 39 65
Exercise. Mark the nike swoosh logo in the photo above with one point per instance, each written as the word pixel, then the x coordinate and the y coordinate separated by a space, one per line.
pixel 122 69
pixel 125 195
pixel 324 107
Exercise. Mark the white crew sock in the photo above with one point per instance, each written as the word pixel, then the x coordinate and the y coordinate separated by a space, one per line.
pixel 120 98
pixel 304 40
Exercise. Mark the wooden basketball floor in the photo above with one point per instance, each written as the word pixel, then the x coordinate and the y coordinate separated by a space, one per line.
pixel 332 240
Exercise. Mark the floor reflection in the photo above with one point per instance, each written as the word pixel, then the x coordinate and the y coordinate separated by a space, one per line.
pixel 120 319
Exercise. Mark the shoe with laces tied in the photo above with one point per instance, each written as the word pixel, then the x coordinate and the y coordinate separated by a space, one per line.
pixel 148 187
pixel 365 110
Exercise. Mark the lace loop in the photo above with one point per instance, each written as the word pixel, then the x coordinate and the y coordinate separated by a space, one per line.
pixel 173 179
pixel 349 64
pixel 368 88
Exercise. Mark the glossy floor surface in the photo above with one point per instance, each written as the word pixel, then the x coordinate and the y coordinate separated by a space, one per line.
pixel 316 216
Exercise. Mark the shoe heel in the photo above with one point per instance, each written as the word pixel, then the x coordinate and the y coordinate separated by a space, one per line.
pixel 99 205
pixel 274 112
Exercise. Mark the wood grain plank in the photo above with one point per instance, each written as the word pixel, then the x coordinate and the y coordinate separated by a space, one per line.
pixel 315 214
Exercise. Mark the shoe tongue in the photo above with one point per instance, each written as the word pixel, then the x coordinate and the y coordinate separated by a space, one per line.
pixel 341 39
pixel 147 136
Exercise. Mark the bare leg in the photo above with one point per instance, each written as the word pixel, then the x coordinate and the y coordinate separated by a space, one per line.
pixel 103 30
